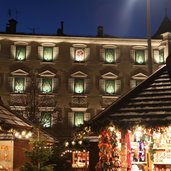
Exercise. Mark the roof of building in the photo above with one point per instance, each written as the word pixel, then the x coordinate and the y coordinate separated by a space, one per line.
pixel 164 27
pixel 150 100
pixel 11 120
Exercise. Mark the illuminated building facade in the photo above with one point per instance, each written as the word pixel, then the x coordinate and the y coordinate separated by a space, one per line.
pixel 63 81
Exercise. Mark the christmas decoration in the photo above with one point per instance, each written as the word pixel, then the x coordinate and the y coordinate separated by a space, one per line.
pixel 109 153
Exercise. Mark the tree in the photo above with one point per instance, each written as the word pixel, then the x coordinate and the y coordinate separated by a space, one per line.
pixel 38 158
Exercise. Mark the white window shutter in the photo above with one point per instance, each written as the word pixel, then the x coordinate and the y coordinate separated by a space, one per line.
pixel 132 55
pixel 118 86
pixel 71 85
pixel 11 83
pixel 102 85
pixel 71 118
pixel 86 116
pixel 87 85
pixel 156 55
pixel 38 84
pixel 132 84
pixel 28 51
pixel 55 52
pixel 28 83
pixel 13 51
pixel 55 82
pixel 146 56
pixel 72 52
pixel 40 52
pixel 102 55
pixel 117 55
pixel 87 53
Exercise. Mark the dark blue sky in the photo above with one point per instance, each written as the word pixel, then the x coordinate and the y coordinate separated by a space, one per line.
pixel 123 18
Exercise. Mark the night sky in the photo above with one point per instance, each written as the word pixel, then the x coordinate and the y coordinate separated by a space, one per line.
pixel 122 18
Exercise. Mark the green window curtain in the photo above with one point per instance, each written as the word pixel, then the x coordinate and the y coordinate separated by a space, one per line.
pixel 46 85
pixel 110 87
pixel 46 119
pixel 20 53
pixel 161 56
pixel 79 55
pixel 48 54
pixel 19 84
pixel 79 86
pixel 140 57
pixel 78 118
pixel 109 56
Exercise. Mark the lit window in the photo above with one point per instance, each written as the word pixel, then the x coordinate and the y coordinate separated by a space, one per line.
pixel 110 87
pixel 140 57
pixel 78 86
pixel 46 85
pixel 46 119
pixel 109 56
pixel 20 53
pixel 78 118
pixel 79 55
pixel 19 84
pixel 161 56
pixel 48 54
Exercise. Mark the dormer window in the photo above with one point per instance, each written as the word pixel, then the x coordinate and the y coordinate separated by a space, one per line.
pixel 110 56
pixel 110 84
pixel 46 119
pixel 48 54
pixel 79 55
pixel 137 79
pixel 19 84
pixel 78 118
pixel 47 85
pixel 78 84
pixel 19 81
pixel 140 57
pixel 20 52
pixel 47 82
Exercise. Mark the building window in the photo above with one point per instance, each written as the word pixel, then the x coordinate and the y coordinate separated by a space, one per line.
pixel 78 86
pixel 110 87
pixel 20 52
pixel 78 118
pixel 137 82
pixel 46 85
pixel 161 56
pixel 46 119
pixel 109 56
pixel 48 54
pixel 140 57
pixel 79 55
pixel 19 84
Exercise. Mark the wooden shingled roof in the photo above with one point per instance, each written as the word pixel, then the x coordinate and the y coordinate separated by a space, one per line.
pixel 150 100
pixel 11 120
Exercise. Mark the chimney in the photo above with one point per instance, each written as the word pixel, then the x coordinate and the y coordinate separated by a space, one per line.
pixel 62 27
pixel 60 31
pixel 100 31
pixel 11 26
